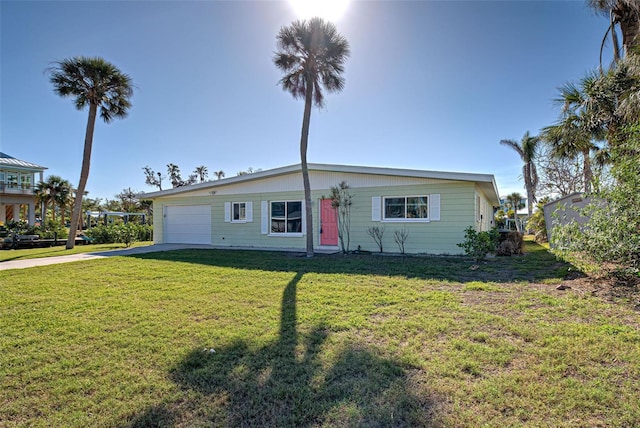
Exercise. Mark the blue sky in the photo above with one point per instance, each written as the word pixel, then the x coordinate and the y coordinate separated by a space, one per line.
pixel 430 85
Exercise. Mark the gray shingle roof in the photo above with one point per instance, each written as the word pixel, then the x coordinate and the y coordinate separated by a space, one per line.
pixel 10 161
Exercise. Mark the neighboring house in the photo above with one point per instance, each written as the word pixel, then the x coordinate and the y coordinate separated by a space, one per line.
pixel 17 195
pixel 564 210
pixel 266 209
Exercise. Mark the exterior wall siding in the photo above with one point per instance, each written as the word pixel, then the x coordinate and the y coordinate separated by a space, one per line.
pixel 457 201
pixel 486 220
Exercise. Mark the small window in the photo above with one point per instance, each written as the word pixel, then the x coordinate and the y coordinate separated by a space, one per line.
pixel 406 208
pixel 12 179
pixel 239 212
pixel 25 180
pixel 286 217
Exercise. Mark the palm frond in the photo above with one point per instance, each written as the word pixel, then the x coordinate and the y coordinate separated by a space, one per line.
pixel 312 54
pixel 514 145
pixel 93 81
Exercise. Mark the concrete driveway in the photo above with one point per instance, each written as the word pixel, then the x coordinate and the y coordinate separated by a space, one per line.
pixel 22 264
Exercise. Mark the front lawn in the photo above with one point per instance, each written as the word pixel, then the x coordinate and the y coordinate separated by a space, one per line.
pixel 238 338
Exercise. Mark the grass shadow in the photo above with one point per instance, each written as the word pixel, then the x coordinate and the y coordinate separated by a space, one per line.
pixel 536 265
pixel 293 382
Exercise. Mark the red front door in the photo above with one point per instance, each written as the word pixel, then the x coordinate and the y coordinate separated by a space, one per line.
pixel 328 224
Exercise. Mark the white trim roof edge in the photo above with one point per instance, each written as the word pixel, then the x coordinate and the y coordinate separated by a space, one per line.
pixel 9 161
pixel 444 175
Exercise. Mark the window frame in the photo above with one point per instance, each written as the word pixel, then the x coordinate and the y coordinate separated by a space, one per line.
pixel 12 184
pixel 406 219
pixel 233 206
pixel 286 218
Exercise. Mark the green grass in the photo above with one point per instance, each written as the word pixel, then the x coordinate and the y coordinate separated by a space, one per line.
pixel 331 341
pixel 34 253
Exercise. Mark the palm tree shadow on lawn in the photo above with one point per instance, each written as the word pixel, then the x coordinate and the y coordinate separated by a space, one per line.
pixel 536 265
pixel 287 383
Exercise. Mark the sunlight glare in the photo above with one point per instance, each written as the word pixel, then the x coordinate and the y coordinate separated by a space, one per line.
pixel 330 10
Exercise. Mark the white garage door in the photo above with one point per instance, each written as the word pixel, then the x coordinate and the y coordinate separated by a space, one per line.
pixel 187 224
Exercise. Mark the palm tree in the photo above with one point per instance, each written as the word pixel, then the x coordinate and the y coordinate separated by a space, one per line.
pixel 64 199
pixel 569 140
pixel 202 172
pixel 174 174
pixel 515 201
pixel 100 85
pixel 43 197
pixel 526 148
pixel 54 191
pixel 219 174
pixel 588 115
pixel 626 15
pixel 311 54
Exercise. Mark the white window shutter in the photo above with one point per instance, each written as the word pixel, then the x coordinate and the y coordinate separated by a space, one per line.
pixel 376 214
pixel 227 212
pixel 434 207
pixel 304 218
pixel 264 217
pixel 249 211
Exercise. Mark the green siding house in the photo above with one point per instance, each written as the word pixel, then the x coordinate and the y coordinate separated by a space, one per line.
pixel 266 209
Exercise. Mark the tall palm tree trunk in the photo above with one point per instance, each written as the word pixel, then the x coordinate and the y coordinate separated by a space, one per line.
pixel 586 171
pixel 304 140
pixel 528 184
pixel 84 175
pixel 629 26
pixel 53 210
pixel 43 209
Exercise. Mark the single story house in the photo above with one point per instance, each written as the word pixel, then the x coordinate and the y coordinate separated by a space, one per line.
pixel 266 209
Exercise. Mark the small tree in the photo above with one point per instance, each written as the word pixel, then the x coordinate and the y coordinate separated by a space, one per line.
pixel 376 233
pixel 400 236
pixel 153 178
pixel 341 201
pixel 128 200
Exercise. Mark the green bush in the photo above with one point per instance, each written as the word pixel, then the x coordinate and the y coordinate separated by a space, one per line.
pixel 48 232
pixel 610 238
pixel 479 244
pixel 122 233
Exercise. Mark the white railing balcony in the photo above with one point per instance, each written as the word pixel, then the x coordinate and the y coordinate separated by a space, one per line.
pixel 15 188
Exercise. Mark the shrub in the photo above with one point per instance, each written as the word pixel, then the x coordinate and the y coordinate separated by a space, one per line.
pixel 376 233
pixel 479 244
pixel 123 233
pixel 50 231
pixel 512 243
pixel 611 235
pixel 400 236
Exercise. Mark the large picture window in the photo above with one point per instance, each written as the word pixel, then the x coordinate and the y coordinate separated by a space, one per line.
pixel 286 217
pixel 406 208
